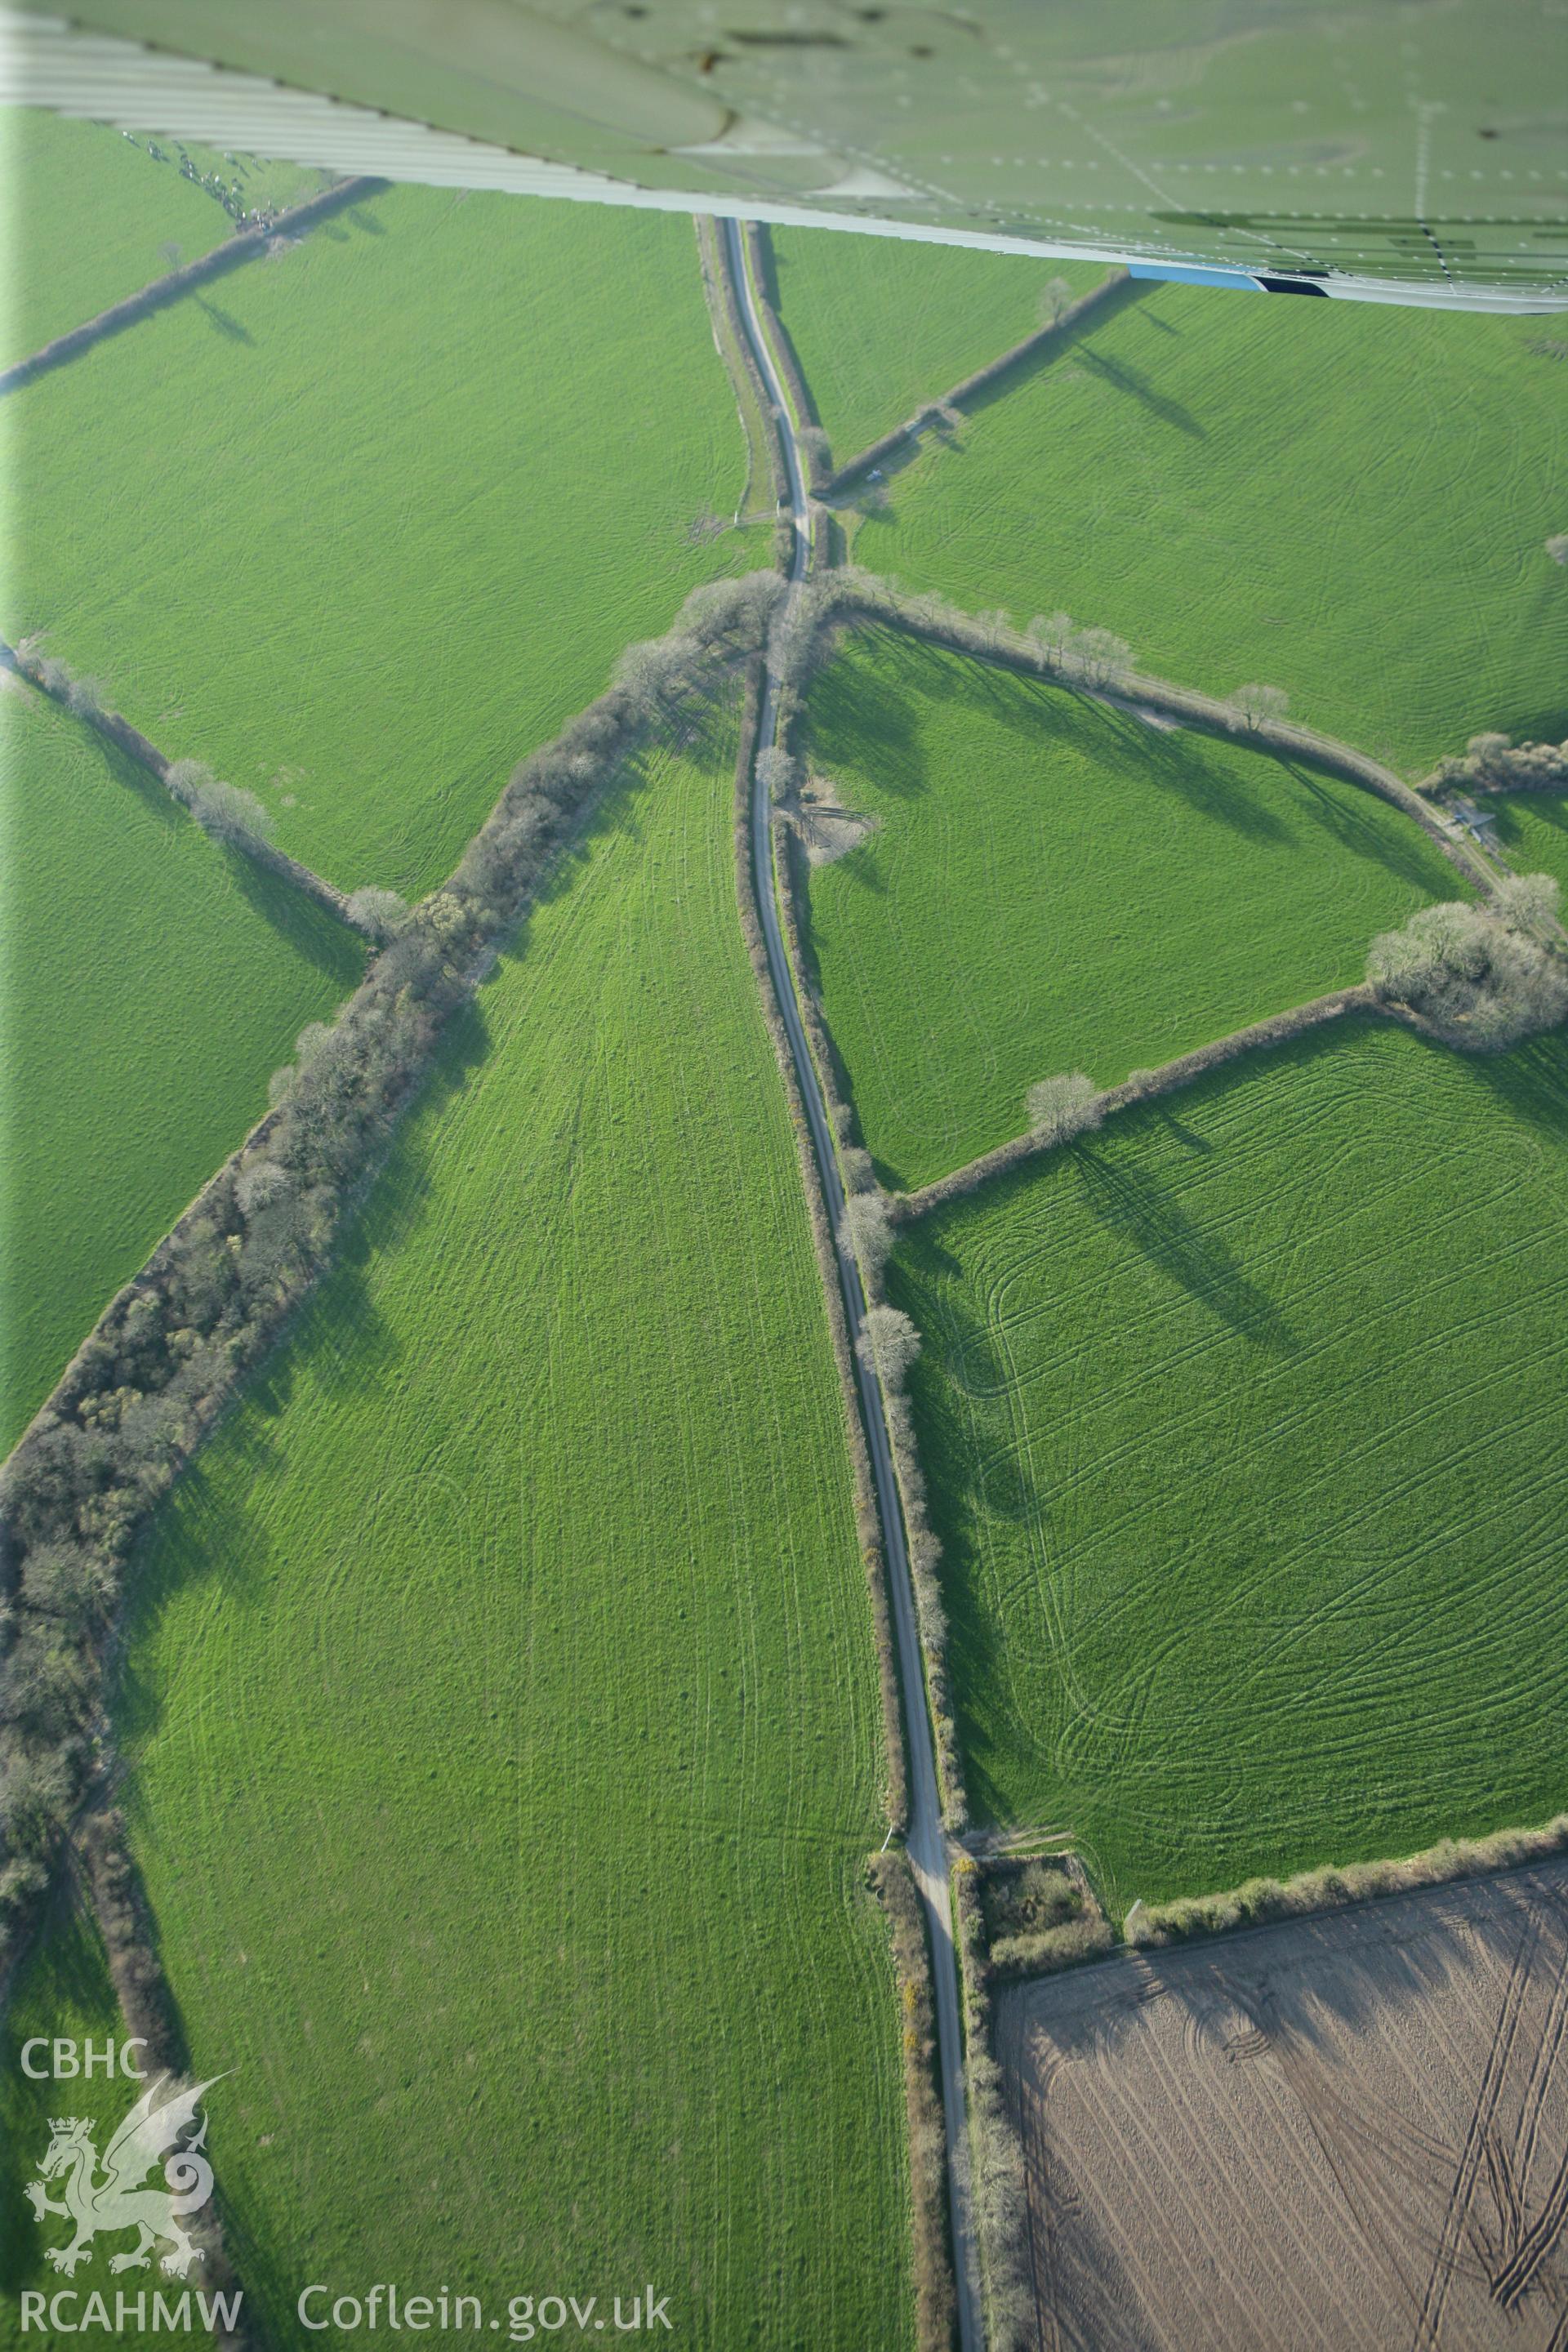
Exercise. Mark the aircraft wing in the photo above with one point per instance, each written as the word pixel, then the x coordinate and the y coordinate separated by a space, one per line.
pixel 1405 150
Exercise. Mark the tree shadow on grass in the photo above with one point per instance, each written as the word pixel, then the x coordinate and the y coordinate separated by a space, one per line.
pixel 351 1351
pixel 314 935
pixel 1136 1204
pixel 932 1285
pixel 1067 340
pixel 1175 760
pixel 1188 1137
pixel 862 717
pixel 1550 809
pixel 121 769
pixel 1184 765
pixel 1347 815
pixel 1532 1080
pixel 224 322
pixel 1125 378
pixel 63 1973
pixel 960 1362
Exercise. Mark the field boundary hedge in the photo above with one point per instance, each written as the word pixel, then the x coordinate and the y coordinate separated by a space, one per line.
pixel 1119 284
pixel 852 594
pixel 117 729
pixel 936 2294
pixel 1141 1086
pixel 172 1348
pixel 1263 1902
pixel 249 244
pixel 868 1523
pixel 999 2198
pixel 111 1883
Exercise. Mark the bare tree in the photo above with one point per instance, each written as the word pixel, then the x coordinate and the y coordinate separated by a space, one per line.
pixel 1101 654
pixel 868 1229
pixel 1528 902
pixel 855 1165
pixel 1473 975
pixel 1495 764
pixel 890 1343
pixel 814 441
pixel 1051 633
pixel 169 254
pixel 777 773
pixel 1055 301
pixel 1487 756
pixel 226 810
pixel 382 913
pixel 1557 547
pixel 1064 1107
pixel 1257 704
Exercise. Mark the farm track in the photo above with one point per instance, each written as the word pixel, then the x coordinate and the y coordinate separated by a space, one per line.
pixel 927 1838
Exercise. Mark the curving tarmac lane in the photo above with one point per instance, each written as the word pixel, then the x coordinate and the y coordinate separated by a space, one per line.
pixel 927 1841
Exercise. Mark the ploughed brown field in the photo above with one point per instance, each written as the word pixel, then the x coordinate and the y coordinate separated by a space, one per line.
pixel 1342 2132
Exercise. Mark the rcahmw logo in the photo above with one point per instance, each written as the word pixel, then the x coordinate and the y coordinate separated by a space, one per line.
pixel 102 2197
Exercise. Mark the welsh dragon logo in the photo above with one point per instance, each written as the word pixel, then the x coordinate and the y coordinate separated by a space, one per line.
pixel 119 2200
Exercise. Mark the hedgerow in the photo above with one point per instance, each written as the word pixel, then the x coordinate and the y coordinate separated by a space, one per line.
pixel 1495 763
pixel 1262 1900
pixel 936 2308
pixel 169 1351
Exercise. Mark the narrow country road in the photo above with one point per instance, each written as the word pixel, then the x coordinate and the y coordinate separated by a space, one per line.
pixel 928 1848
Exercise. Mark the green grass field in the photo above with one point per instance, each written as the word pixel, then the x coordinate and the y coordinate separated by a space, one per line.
pixel 1349 503
pixel 97 209
pixel 63 1991
pixel 1533 829
pixel 152 983
pixel 1243 1420
pixel 879 326
pixel 367 522
pixel 1058 886
pixel 504 1701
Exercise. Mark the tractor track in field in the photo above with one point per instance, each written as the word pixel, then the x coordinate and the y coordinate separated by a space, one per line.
pixel 927 1841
